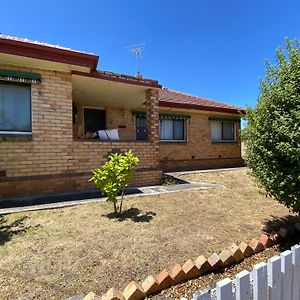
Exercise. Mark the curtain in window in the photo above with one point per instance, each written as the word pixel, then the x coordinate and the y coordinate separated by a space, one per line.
pixel 179 130
pixel 216 131
pixel 15 108
pixel 166 130
pixel 228 131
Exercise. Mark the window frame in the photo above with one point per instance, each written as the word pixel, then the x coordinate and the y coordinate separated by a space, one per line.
pixel 222 130
pixel 14 132
pixel 173 140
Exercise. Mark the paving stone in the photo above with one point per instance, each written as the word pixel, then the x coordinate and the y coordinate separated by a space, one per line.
pixel 256 246
pixel 134 291
pixel 283 232
pixel 246 249
pixel 151 286
pixel 236 253
pixel 177 274
pixel 190 270
pixel 113 294
pixel 266 240
pixel 203 265
pixel 226 258
pixel 164 279
pixel 215 261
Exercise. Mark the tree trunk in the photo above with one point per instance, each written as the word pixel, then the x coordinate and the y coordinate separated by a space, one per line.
pixel 121 203
pixel 115 208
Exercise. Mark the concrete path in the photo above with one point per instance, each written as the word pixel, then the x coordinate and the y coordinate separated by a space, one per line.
pixel 72 199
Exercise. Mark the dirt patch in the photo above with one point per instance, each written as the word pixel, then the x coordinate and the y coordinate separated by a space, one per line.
pixel 63 252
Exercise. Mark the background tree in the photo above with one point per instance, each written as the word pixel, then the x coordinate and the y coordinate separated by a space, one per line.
pixel 272 134
pixel 114 175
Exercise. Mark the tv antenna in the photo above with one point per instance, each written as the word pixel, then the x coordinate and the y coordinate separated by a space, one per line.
pixel 137 50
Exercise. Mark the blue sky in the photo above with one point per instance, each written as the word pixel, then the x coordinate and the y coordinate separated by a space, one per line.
pixel 214 49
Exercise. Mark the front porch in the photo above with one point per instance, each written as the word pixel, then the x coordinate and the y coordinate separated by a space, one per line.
pixel 104 121
pixel 104 110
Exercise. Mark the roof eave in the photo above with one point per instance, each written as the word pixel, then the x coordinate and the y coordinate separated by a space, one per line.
pixel 201 107
pixel 53 54
pixel 129 80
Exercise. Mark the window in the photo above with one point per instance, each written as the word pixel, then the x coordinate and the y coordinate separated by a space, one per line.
pixel 94 120
pixel 171 130
pixel 222 131
pixel 15 108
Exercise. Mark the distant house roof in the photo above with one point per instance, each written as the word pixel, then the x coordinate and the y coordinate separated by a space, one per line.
pixel 171 98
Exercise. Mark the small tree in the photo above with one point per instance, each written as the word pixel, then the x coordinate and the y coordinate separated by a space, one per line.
pixel 113 177
pixel 272 134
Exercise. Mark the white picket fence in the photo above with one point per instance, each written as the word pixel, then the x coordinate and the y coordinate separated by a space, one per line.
pixel 279 279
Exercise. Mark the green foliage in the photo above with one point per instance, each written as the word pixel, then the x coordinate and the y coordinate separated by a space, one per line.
pixel 272 135
pixel 113 177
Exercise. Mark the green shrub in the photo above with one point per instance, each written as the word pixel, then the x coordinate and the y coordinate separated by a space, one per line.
pixel 113 177
pixel 272 134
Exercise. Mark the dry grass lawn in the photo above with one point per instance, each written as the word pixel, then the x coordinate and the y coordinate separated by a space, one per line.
pixel 54 254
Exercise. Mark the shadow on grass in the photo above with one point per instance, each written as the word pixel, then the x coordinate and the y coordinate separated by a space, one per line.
pixel 275 223
pixel 288 221
pixel 132 213
pixel 8 230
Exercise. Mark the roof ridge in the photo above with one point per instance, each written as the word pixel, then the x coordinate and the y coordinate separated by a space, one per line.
pixel 201 98
pixel 35 42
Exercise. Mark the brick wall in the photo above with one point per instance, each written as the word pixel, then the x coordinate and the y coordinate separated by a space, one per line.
pixel 52 161
pixel 198 151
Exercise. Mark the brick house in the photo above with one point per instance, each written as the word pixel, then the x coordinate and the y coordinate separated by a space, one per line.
pixel 52 100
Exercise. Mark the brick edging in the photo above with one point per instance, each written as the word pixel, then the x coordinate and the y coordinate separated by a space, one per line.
pixel 234 254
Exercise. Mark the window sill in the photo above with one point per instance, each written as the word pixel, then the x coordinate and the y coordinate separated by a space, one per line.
pixel 172 141
pixel 15 136
pixel 222 142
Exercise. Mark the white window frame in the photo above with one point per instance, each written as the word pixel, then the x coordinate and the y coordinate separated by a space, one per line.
pixel 222 140
pixel 174 141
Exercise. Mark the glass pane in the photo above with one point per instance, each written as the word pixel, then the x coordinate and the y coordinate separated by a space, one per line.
pixel 15 108
pixel 141 122
pixel 141 128
pixel 166 130
pixel 216 131
pixel 228 131
pixel 179 130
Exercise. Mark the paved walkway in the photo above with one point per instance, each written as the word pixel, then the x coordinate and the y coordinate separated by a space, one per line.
pixel 72 199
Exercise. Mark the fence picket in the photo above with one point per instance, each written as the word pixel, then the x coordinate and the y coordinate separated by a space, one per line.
pixel 279 279
pixel 260 287
pixel 296 272
pixel 203 296
pixel 287 273
pixel 243 286
pixel 224 289
pixel 274 278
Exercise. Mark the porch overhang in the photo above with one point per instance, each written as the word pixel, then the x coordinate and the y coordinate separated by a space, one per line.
pixel 111 89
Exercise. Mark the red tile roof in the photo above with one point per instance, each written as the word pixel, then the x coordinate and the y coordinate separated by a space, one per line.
pixel 170 98
pixel 28 41
pixel 33 49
